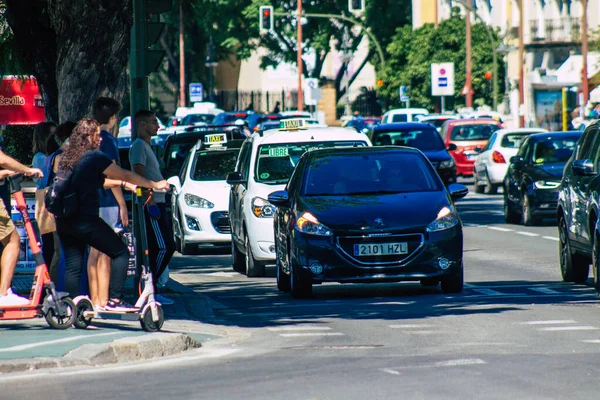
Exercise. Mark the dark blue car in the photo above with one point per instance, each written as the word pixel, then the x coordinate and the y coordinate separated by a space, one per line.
pixel 420 136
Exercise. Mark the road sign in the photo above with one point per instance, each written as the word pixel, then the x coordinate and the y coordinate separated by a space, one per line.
pixel 404 94
pixel 196 92
pixel 442 79
pixel 312 92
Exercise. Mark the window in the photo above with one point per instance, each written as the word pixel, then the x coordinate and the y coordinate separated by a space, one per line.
pixel 422 139
pixel 472 132
pixel 178 153
pixel 183 170
pixel 213 165
pixel 551 150
pixel 244 160
pixel 585 143
pixel 399 118
pixel 192 119
pixel 512 140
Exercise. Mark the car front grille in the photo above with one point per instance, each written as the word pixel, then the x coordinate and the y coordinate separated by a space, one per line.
pixel 220 221
pixel 346 245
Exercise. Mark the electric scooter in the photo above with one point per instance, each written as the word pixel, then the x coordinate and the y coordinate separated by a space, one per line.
pixel 150 313
pixel 56 307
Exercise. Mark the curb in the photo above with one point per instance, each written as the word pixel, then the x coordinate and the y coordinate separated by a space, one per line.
pixel 121 350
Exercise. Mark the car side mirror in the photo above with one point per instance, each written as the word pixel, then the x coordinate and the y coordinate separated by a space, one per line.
pixel 452 147
pixel 583 167
pixel 279 198
pixel 235 178
pixel 457 191
pixel 517 160
pixel 174 181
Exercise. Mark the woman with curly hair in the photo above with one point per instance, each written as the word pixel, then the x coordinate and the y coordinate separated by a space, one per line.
pixel 89 169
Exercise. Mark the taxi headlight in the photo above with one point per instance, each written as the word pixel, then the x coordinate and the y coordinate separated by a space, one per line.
pixel 308 223
pixel 446 219
pixel 196 201
pixel 262 208
pixel 447 164
pixel 546 185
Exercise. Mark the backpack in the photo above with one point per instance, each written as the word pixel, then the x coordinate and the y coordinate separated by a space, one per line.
pixel 61 198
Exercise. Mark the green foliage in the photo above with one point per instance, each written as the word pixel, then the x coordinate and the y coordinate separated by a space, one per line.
pixel 17 142
pixel 11 60
pixel 411 53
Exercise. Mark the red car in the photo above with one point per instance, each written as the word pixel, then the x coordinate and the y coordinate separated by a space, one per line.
pixel 465 138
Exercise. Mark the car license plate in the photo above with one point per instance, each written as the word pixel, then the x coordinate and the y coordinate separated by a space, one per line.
pixel 380 249
pixel 215 138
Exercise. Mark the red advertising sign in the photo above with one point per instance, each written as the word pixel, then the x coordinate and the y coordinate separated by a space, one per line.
pixel 20 101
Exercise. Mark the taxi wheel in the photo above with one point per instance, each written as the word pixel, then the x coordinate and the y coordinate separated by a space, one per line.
pixel 299 287
pixel 254 268
pixel 283 280
pixel 573 267
pixel 237 258
pixel 453 283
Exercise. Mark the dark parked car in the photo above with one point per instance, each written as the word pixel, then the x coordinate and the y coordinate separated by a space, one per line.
pixel 393 221
pixel 579 208
pixel 420 136
pixel 254 120
pixel 534 175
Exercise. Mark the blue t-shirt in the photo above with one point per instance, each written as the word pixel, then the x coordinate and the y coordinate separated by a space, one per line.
pixel 110 147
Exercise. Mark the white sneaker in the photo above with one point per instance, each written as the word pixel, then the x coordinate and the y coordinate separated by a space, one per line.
pixel 11 299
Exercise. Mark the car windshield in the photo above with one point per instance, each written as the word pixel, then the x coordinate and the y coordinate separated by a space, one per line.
pixel 192 119
pixel 513 140
pixel 473 132
pixel 213 165
pixel 553 150
pixel 370 173
pixel 427 139
pixel 276 162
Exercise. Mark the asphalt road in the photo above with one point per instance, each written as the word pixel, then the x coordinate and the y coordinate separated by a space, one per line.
pixel 516 332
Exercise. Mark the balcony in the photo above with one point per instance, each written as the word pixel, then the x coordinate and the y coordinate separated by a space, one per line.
pixel 555 31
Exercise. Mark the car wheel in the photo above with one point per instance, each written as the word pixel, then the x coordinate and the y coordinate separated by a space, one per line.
pixel 573 267
pixel 254 268
pixel 237 258
pixel 528 218
pixel 477 188
pixel 490 188
pixel 510 216
pixel 453 283
pixel 283 280
pixel 596 262
pixel 299 287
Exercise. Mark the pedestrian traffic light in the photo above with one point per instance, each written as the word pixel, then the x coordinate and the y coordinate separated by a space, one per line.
pixel 356 5
pixel 154 29
pixel 266 18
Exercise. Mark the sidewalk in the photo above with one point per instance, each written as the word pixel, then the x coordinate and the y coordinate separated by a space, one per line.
pixel 31 344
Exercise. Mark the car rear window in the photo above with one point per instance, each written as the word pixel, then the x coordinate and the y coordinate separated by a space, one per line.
pixel 195 118
pixel 373 173
pixel 513 140
pixel 422 139
pixel 469 132
pixel 400 118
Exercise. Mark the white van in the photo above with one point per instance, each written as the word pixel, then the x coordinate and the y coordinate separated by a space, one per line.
pixel 403 115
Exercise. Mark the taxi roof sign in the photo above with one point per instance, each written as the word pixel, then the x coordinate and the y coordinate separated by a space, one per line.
pixel 217 139
pixel 292 124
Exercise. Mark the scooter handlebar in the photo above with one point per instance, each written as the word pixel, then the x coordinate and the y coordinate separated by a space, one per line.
pixel 15 181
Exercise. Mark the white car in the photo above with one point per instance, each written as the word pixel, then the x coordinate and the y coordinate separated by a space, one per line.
pixel 265 164
pixel 436 120
pixel 200 200
pixel 403 115
pixel 125 126
pixel 492 163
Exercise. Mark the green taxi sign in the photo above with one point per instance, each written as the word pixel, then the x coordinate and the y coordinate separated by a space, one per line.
pixel 278 152
pixel 292 124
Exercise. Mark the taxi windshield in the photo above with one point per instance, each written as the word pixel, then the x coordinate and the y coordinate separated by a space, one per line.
pixel 213 165
pixel 364 174
pixel 427 139
pixel 276 162
pixel 553 151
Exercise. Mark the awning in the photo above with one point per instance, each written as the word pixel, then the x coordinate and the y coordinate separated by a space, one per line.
pixel 20 101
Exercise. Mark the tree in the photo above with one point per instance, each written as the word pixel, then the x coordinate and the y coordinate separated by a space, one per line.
pixel 77 50
pixel 411 53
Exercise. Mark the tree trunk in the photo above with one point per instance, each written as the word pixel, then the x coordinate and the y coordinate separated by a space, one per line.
pixel 78 50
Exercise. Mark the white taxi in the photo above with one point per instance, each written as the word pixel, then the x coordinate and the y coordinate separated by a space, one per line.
pixel 265 164
pixel 200 200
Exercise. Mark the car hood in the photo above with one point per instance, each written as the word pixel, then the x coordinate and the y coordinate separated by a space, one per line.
pixel 437 155
pixel 397 212
pixel 216 192
pixel 548 171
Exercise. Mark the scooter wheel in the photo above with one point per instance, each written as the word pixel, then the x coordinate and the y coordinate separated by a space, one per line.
pixel 148 324
pixel 65 320
pixel 82 322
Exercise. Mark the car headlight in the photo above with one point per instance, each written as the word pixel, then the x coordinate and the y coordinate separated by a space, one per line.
pixel 196 201
pixel 447 164
pixel 262 208
pixel 446 219
pixel 308 223
pixel 546 184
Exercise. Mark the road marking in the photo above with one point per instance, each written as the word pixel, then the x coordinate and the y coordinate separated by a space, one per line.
pixel 550 322
pixel 497 228
pixel 423 332
pixel 49 342
pixel 544 290
pixel 223 274
pixel 460 362
pixel 306 334
pixel 393 303
pixel 474 225
pixel 410 326
pixel 489 292
pixel 391 371
pixel 568 328
pixel 299 328
pixel 551 238
pixel 591 341
pixel 526 233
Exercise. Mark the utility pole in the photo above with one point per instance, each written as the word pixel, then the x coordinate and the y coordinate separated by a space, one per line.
pixel 181 60
pixel 299 45
pixel 584 53
pixel 468 83
pixel 521 62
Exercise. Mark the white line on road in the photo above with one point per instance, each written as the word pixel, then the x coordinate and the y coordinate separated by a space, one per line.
pixel 568 328
pixel 544 290
pixel 305 334
pixel 527 233
pixel 489 292
pixel 550 238
pixel 49 342
pixel 391 371
pixel 497 228
pixel 550 322
pixel 591 341
pixel 410 326
pixel 458 363
pixel 299 328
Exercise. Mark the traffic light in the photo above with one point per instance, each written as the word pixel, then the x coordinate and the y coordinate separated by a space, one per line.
pixel 146 31
pixel 356 5
pixel 266 18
